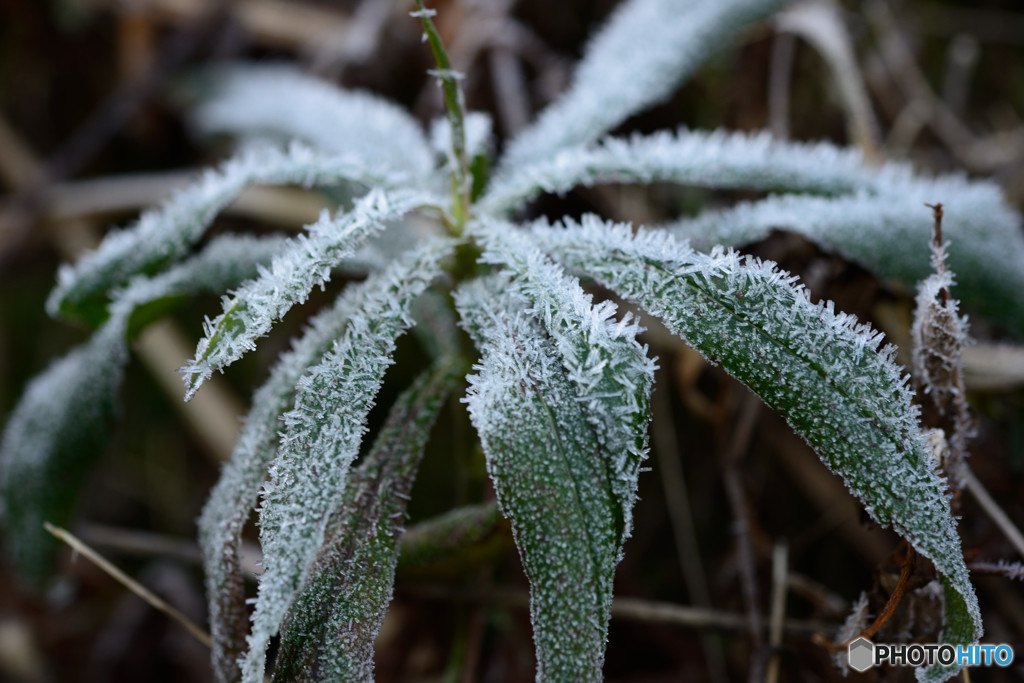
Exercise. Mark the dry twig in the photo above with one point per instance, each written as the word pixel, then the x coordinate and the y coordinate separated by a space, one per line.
pixel 128 582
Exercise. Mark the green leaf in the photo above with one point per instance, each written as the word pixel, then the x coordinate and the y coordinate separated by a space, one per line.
pixel 873 230
pixel 552 478
pixel 51 441
pixel 62 423
pixel 645 50
pixel 165 234
pixel 609 368
pixel 717 159
pixel 817 368
pixel 306 263
pixel 235 494
pixel 329 632
pixel 321 438
pixel 455 542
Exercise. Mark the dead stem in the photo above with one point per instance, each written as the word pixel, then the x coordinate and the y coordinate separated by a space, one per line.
pixel 677 502
pixel 732 454
pixel 128 582
pixel 780 582
pixel 895 597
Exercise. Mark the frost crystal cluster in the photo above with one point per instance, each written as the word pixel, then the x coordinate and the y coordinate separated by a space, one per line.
pixel 558 384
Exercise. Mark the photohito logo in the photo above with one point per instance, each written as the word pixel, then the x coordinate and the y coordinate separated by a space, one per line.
pixel 862 654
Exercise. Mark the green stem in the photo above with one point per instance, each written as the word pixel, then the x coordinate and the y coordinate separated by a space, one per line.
pixel 455 106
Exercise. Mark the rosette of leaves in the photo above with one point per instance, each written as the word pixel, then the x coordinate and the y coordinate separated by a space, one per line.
pixel 560 386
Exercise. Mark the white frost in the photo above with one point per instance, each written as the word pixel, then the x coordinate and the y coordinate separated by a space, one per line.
pixel 322 436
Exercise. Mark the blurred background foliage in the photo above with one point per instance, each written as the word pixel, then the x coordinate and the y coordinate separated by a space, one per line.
pixel 93 126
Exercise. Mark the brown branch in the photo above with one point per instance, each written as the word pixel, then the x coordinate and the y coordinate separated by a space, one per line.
pixel 895 597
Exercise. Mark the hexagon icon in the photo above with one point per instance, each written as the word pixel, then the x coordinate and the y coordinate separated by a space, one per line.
pixel 861 654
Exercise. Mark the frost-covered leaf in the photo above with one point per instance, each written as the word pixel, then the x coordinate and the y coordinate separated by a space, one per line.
pixel 819 369
pixel 235 494
pixel 322 436
pixel 868 210
pixel 61 424
pixel 279 101
pixel 51 441
pixel 255 306
pixel 716 159
pixel 223 263
pixel 329 632
pixel 641 55
pixel 609 368
pixel 872 229
pixel 165 234
pixel 553 479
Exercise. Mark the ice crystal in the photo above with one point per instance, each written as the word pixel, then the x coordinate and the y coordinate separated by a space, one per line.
pixel 281 102
pixel 821 370
pixel 322 436
pixel 610 369
pixel 334 621
pixel 165 234
pixel 259 303
pixel 616 79
pixel 554 479
pixel 939 334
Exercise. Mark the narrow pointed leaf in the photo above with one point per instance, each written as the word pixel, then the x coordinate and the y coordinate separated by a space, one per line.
pixel 279 101
pixel 867 210
pixel 51 441
pixel 329 632
pixel 817 368
pixel 609 368
pixel 552 480
pixel 236 492
pixel 988 255
pixel 322 436
pixel 641 56
pixel 165 234
pixel 223 263
pixel 716 159
pixel 257 304
pixel 62 423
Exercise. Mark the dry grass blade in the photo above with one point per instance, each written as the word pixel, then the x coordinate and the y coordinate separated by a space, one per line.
pixel 992 509
pixel 128 582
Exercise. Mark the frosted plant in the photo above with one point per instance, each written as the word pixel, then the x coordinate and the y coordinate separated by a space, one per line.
pixel 560 387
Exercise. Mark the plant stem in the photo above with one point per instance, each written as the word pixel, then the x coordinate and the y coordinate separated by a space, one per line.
pixel 131 584
pixel 455 106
